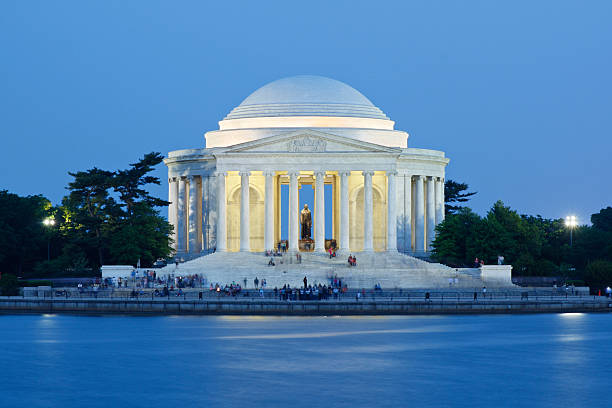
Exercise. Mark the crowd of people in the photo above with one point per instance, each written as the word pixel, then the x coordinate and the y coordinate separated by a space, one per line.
pixel 151 280
pixel 309 292
pixel 276 252
pixel 232 289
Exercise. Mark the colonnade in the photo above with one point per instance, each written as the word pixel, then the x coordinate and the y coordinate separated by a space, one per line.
pixel 198 211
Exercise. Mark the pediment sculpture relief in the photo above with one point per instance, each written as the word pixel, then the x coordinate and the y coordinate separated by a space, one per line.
pixel 307 144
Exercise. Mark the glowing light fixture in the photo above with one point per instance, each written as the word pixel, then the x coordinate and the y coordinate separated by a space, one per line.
pixel 49 222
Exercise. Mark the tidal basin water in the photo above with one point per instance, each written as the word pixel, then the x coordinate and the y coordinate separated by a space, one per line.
pixel 545 360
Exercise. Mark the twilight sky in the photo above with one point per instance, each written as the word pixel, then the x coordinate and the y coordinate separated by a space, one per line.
pixel 517 94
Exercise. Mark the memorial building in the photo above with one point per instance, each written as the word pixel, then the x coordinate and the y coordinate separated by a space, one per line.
pixel 305 130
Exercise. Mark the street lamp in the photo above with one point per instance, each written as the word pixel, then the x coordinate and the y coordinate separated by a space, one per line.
pixel 49 222
pixel 571 222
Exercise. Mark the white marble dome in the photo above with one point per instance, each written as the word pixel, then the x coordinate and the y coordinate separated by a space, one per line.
pixel 306 102
pixel 306 95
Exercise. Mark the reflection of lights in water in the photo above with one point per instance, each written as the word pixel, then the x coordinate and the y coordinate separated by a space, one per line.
pixel 239 318
pixel 570 337
pixel 48 319
pixel 264 318
pixel 571 315
pixel 331 334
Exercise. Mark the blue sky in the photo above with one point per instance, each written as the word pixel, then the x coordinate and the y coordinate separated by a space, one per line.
pixel 517 93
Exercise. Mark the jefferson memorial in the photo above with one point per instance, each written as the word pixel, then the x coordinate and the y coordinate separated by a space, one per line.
pixel 382 195
pixel 306 130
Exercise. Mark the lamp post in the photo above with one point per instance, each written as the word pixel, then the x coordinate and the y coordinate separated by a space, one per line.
pixel 571 222
pixel 49 222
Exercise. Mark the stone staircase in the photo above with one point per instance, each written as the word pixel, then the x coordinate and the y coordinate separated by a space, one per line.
pixel 390 270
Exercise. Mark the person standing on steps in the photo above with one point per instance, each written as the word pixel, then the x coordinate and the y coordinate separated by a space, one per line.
pixel 305 282
pixel 256 282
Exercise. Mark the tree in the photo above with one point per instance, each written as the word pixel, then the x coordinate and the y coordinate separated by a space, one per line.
pixel 508 234
pixel 455 192
pixel 598 274
pixel 464 235
pixel 90 209
pixel 139 233
pixel 129 183
pixel 112 215
pixel 457 238
pixel 603 219
pixel 9 285
pixel 23 239
pixel 145 236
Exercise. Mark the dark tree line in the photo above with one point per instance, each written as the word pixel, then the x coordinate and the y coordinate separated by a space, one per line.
pixel 107 217
pixel 535 246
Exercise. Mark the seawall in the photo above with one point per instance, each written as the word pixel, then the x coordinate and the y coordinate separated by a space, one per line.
pixel 314 308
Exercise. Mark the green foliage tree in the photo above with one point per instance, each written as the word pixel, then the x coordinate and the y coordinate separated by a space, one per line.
pixel 91 209
pixel 603 219
pixel 464 236
pixel 507 233
pixel 533 245
pixel 113 215
pixel 455 193
pixel 129 184
pixel 143 236
pixel 598 274
pixel 107 217
pixel 457 237
pixel 23 239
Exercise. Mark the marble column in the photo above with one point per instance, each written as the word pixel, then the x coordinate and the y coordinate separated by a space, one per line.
pixel 172 209
pixel 431 211
pixel 245 235
pixel 182 216
pixel 344 211
pixel 408 212
pixel 199 212
pixel 439 200
pixel 294 214
pixel 269 211
pixel 391 211
pixel 368 212
pixel 399 211
pixel 320 211
pixel 192 215
pixel 221 212
pixel 419 216
pixel 213 211
pixel 205 211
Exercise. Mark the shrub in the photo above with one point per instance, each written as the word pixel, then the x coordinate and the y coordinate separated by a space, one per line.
pixel 34 283
pixel 9 285
pixel 598 274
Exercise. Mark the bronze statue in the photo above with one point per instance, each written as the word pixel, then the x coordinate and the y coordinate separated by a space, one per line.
pixel 306 221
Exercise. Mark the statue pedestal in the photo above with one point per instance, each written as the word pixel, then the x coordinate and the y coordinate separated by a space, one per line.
pixel 306 245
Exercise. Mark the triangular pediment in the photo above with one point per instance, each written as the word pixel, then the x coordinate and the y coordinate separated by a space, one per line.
pixel 307 141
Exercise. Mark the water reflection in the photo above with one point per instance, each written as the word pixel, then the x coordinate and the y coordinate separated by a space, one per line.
pixel 518 360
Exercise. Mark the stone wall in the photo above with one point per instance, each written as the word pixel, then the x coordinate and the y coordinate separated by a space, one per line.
pixel 275 307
